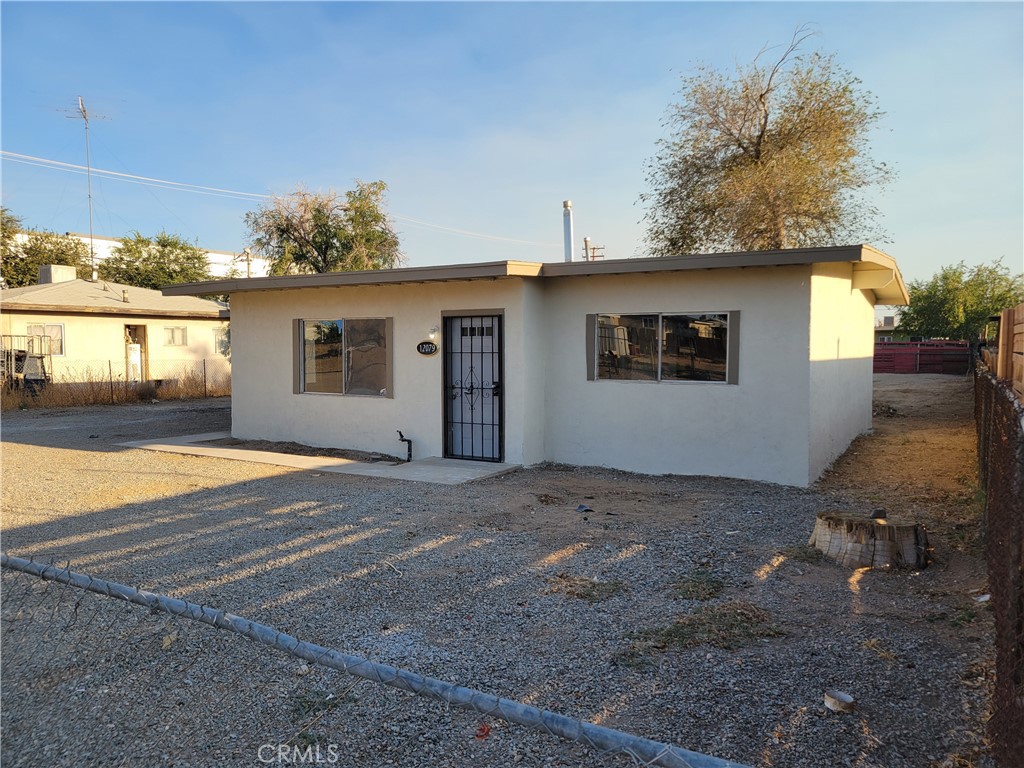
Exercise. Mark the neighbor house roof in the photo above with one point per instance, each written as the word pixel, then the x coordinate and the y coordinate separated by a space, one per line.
pixel 872 270
pixel 86 297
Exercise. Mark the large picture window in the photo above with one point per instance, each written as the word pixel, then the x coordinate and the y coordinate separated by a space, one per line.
pixel 345 357
pixel 697 346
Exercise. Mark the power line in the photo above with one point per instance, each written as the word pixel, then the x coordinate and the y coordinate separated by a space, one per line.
pixel 180 186
pixel 62 165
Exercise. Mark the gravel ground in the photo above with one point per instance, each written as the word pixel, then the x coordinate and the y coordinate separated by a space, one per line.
pixel 499 585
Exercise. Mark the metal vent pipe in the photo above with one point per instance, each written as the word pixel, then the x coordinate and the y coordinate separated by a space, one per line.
pixel 567 223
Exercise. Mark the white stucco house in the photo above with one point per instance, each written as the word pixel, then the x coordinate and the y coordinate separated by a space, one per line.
pixel 750 365
pixel 79 330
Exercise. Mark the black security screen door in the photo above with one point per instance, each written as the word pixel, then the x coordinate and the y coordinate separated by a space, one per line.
pixel 472 388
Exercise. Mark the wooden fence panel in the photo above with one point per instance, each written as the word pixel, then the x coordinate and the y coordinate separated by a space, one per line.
pixel 1018 349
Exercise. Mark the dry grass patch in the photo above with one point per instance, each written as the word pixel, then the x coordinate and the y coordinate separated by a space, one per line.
pixel 94 389
pixel 803 554
pixel 582 588
pixel 729 625
pixel 699 586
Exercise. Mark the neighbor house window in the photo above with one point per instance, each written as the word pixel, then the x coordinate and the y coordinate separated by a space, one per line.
pixel 222 341
pixel 49 337
pixel 344 357
pixel 176 336
pixel 697 346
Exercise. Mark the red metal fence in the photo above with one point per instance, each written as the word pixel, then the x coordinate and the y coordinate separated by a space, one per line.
pixel 922 357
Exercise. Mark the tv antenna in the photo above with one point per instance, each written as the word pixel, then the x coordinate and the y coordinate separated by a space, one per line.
pixel 83 113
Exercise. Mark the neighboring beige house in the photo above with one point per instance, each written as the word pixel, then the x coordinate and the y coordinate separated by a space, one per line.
pixel 750 365
pixel 91 330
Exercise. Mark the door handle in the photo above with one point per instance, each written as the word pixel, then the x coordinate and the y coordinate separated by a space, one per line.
pixel 496 389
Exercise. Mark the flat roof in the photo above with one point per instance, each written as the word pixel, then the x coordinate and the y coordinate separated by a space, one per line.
pixel 878 271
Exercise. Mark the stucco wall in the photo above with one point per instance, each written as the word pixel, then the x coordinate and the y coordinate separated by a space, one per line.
pixel 841 350
pixel 91 342
pixel 756 429
pixel 265 406
pixel 801 395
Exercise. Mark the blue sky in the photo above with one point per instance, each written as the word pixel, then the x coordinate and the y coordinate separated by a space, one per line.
pixel 483 117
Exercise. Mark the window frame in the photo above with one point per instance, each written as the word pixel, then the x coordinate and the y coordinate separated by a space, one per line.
pixel 44 326
pixel 172 328
pixel 299 357
pixel 732 345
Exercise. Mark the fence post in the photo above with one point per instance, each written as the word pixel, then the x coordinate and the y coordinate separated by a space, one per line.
pixel 205 391
pixel 110 368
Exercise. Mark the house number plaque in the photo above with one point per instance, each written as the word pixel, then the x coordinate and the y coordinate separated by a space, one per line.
pixel 426 348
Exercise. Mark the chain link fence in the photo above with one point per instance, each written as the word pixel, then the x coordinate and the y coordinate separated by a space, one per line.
pixel 1000 423
pixel 100 673
pixel 94 382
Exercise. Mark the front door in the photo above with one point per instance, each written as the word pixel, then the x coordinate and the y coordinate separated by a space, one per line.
pixel 472 388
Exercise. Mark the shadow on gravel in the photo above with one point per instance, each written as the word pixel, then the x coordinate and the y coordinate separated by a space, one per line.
pixel 95 428
pixel 503 585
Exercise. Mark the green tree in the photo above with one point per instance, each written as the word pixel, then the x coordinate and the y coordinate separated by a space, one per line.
pixel 22 259
pixel 308 232
pixel 10 248
pixel 154 262
pixel 957 301
pixel 771 156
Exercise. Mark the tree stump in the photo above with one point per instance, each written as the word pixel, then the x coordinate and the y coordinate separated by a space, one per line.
pixel 857 540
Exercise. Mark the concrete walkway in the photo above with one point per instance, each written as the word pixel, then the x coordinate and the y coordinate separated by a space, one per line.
pixel 429 470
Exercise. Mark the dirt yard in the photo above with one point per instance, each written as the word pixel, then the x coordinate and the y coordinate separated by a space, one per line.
pixel 686 610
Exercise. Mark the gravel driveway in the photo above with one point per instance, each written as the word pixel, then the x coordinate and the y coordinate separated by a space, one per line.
pixel 500 585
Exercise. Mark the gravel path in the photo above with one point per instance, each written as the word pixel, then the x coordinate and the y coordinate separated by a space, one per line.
pixel 499 585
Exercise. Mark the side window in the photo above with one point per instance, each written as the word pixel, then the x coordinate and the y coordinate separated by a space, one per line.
pixel 48 336
pixel 664 347
pixel 222 341
pixel 175 336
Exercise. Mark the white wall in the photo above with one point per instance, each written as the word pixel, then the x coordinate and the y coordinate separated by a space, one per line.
pixel 756 429
pixel 264 405
pixel 841 351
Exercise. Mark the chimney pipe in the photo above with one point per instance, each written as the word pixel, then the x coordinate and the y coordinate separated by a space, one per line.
pixel 124 296
pixel 567 223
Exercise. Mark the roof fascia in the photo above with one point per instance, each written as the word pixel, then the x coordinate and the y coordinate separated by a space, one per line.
pixel 447 272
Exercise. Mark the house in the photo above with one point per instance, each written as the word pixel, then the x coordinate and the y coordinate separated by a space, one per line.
pixel 887 329
pixel 77 330
pixel 751 365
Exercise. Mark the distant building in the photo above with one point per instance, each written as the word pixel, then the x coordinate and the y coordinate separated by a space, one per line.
pixel 887 329
pixel 222 263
